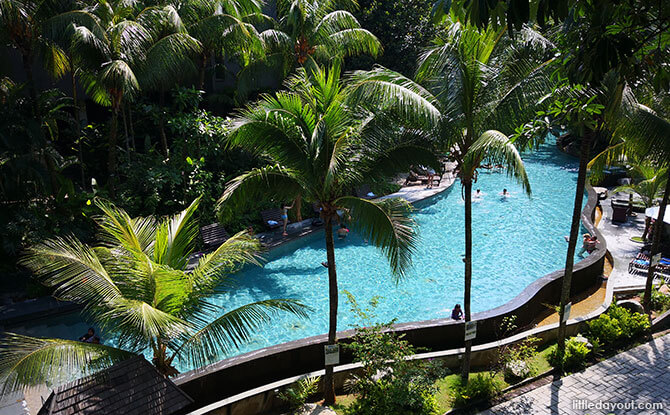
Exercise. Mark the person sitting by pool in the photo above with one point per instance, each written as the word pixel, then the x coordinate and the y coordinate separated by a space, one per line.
pixel 457 313
pixel 284 216
pixel 586 241
pixel 592 244
pixel 342 232
pixel 89 336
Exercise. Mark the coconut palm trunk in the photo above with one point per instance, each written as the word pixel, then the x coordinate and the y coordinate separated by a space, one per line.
pixel 161 122
pixel 467 186
pixel 328 383
pixel 574 235
pixel 655 246
pixel 32 89
pixel 77 121
pixel 111 158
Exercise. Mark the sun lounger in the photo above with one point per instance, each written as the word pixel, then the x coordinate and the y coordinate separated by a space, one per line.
pixel 272 218
pixel 640 265
pixel 213 235
pixel 422 178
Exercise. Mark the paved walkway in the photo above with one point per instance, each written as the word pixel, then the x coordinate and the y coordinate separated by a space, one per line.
pixel 620 246
pixel 640 376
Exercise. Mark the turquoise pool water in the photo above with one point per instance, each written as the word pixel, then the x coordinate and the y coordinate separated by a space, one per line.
pixel 516 240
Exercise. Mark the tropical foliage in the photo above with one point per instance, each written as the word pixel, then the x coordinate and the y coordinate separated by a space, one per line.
pixel 477 81
pixel 137 284
pixel 322 142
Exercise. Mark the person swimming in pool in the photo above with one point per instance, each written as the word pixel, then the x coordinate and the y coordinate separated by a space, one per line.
pixel 478 194
pixel 284 216
pixel 504 194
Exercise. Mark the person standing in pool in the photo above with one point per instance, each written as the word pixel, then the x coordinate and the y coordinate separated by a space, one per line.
pixel 284 216
pixel 505 194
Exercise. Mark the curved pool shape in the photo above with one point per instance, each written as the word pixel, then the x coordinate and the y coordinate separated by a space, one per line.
pixel 516 240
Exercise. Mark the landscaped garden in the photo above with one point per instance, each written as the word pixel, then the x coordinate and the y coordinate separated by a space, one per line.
pixel 201 179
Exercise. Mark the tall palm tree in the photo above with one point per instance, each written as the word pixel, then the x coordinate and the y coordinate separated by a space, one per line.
pixel 308 32
pixel 135 284
pixel 169 58
pixel 642 131
pixel 223 29
pixel 322 143
pixel 485 85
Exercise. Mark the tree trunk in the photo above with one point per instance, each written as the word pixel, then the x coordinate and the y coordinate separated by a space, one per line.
pixel 328 381
pixel 77 121
pixel 161 122
pixel 572 242
pixel 111 157
pixel 298 208
pixel 125 129
pixel 467 185
pixel 32 89
pixel 130 124
pixel 201 71
pixel 657 233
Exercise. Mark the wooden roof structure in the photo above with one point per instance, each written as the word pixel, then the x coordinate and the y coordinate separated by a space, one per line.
pixel 130 387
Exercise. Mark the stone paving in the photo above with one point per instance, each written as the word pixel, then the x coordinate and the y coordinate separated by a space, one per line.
pixel 640 376
pixel 620 246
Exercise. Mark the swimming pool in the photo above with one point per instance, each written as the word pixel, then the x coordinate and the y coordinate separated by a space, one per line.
pixel 515 241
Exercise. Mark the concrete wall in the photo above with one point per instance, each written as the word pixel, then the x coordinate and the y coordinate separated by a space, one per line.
pixel 246 381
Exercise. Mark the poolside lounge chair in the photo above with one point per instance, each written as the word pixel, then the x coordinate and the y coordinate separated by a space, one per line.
pixel 619 213
pixel 213 235
pixel 272 218
pixel 364 192
pixel 640 265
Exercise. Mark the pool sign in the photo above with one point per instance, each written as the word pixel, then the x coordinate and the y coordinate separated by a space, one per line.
pixel 655 259
pixel 470 330
pixel 566 312
pixel 332 353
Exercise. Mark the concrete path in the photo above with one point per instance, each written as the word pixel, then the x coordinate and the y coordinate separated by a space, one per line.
pixel 620 246
pixel 633 382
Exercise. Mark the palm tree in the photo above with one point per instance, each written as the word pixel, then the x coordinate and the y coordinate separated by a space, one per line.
pixel 223 30
pixel 135 284
pixel 322 142
pixel 168 59
pixel 649 181
pixel 485 87
pixel 641 131
pixel 308 32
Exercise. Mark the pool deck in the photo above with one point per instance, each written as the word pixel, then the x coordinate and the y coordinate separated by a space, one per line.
pixel 621 247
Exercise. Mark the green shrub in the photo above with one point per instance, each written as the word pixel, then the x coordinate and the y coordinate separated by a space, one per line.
pixel 617 325
pixel 659 301
pixel 576 352
pixel 297 395
pixel 389 383
pixel 605 329
pixel 480 387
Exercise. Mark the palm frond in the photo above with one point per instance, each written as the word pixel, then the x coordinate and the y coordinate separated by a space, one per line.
pixel 234 328
pixel 389 90
pixel 269 182
pixel 387 225
pixel 498 149
pixel 28 361
pixel 73 269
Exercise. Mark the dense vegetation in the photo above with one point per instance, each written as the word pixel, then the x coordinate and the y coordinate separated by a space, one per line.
pixel 152 104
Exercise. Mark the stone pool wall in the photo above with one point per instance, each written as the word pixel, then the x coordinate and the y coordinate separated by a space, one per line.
pixel 228 386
